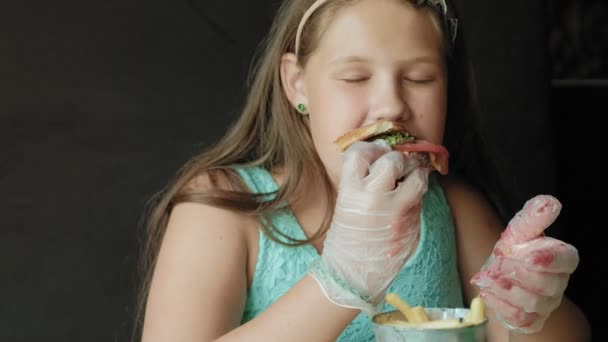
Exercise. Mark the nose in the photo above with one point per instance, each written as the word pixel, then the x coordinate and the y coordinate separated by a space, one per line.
pixel 388 101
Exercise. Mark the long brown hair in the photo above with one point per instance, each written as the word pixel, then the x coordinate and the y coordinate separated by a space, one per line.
pixel 268 133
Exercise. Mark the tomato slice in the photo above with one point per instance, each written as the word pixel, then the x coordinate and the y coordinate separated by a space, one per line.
pixel 438 154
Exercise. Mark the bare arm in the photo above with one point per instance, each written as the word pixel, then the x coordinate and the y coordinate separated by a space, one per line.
pixel 302 314
pixel 199 288
pixel 477 231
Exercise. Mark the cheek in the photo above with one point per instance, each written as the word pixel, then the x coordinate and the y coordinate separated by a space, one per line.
pixel 334 111
pixel 430 108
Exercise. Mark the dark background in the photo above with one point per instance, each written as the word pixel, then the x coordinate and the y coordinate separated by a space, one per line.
pixel 101 101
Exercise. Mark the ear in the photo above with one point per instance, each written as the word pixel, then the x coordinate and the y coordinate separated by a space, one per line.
pixel 292 78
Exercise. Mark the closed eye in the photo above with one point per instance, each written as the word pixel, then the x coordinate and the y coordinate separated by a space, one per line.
pixel 355 79
pixel 419 80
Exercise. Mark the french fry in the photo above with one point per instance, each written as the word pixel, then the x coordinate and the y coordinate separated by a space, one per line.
pixel 467 318
pixel 421 315
pixel 417 316
pixel 409 313
pixel 478 311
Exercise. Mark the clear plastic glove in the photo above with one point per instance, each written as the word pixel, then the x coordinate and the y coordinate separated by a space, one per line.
pixel 375 226
pixel 524 279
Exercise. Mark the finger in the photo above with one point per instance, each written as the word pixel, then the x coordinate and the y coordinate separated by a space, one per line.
pixel 511 314
pixel 519 297
pixel 537 214
pixel 411 162
pixel 546 254
pixel 384 172
pixel 514 272
pixel 358 158
pixel 412 189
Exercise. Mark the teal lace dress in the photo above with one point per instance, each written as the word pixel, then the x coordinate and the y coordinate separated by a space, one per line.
pixel 429 278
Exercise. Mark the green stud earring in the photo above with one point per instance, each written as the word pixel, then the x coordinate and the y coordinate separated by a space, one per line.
pixel 302 108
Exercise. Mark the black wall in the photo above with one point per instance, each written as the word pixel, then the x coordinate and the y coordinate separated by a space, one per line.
pixel 578 112
pixel 101 101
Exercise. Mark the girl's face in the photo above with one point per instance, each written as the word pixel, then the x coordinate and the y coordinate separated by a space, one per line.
pixel 377 59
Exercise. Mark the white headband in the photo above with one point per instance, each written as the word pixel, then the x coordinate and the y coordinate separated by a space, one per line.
pixel 451 23
pixel 305 18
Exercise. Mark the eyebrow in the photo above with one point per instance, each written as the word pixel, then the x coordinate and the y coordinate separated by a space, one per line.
pixel 363 59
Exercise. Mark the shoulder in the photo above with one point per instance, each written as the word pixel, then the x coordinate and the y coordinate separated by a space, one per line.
pixel 200 240
pixel 193 218
pixel 204 237
pixel 205 223
pixel 201 228
pixel 468 204
pixel 220 179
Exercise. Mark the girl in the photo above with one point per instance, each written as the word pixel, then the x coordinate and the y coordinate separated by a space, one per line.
pixel 272 234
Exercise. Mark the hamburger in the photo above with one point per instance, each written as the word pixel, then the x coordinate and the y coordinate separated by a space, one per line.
pixel 429 155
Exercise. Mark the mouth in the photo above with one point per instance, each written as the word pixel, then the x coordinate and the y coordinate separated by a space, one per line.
pixel 395 138
pixel 429 155
pixel 392 132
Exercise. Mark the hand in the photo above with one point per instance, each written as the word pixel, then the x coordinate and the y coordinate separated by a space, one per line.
pixel 524 279
pixel 375 226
